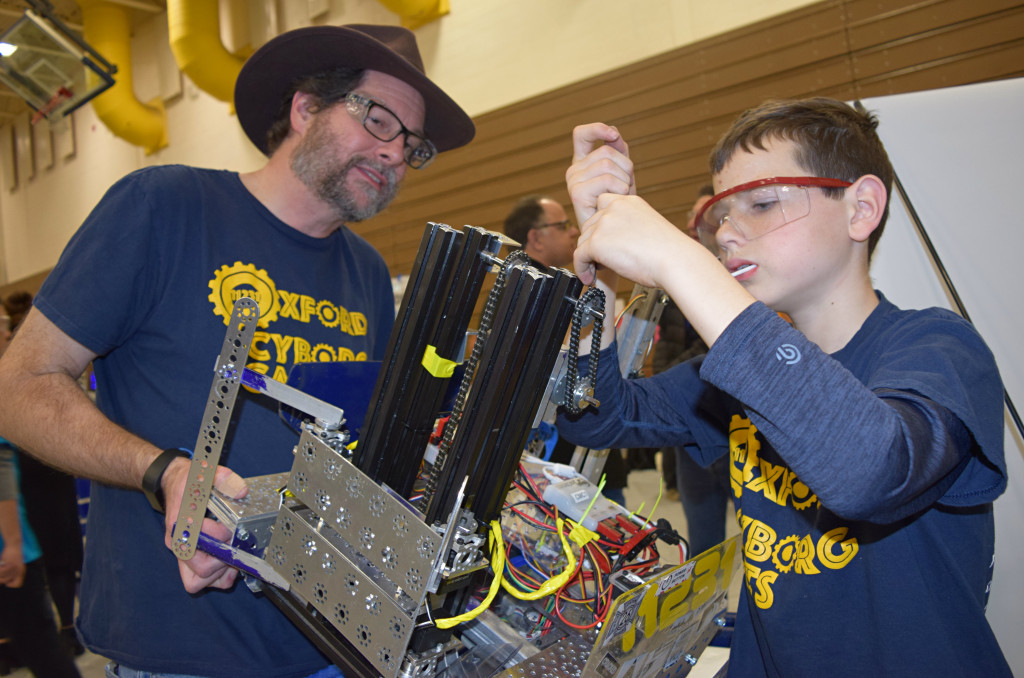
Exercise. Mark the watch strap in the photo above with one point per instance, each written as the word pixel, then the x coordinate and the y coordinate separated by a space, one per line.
pixel 154 474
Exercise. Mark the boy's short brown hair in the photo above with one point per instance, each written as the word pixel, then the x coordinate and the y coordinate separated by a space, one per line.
pixel 834 140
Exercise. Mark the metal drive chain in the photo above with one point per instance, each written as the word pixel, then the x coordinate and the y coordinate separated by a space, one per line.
pixel 579 395
pixel 486 320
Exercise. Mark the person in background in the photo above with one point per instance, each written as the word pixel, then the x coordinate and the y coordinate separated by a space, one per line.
pixel 341 112
pixel 51 504
pixel 547 235
pixel 703 492
pixel 541 226
pixel 864 442
pixel 26 618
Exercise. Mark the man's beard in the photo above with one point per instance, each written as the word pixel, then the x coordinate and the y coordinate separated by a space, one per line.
pixel 316 165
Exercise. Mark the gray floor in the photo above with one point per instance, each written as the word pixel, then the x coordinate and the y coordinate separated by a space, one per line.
pixel 643 488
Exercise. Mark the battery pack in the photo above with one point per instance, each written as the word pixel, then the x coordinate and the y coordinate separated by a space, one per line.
pixel 573 496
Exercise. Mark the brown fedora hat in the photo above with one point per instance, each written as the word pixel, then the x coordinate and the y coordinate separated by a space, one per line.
pixel 273 69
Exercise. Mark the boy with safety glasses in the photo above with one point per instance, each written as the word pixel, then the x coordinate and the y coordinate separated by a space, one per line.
pixel 865 441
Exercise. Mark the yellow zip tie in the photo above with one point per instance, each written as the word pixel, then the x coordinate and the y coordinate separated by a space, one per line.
pixel 600 486
pixel 661 486
pixel 498 565
pixel 436 365
pixel 582 535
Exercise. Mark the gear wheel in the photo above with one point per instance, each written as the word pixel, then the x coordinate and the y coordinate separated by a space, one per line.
pixel 252 282
pixel 801 504
pixel 319 349
pixel 784 567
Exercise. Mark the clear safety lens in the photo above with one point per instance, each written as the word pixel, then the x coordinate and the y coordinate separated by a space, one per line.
pixel 754 212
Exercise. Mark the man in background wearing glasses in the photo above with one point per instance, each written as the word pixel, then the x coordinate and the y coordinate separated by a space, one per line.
pixel 543 229
pixel 146 288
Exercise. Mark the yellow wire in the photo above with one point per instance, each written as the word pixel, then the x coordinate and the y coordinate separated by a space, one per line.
pixel 661 486
pixel 600 487
pixel 579 534
pixel 625 308
pixel 498 565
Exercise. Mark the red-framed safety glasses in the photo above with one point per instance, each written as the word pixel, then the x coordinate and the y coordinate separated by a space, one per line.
pixel 758 207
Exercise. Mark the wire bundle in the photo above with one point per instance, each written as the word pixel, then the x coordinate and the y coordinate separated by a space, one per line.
pixel 581 594
pixel 584 585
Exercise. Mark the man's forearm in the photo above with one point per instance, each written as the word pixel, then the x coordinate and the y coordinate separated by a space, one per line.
pixel 10 527
pixel 46 413
pixel 51 418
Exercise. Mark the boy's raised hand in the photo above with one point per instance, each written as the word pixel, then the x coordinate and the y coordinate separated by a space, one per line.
pixel 628 236
pixel 621 232
pixel 600 164
pixel 615 225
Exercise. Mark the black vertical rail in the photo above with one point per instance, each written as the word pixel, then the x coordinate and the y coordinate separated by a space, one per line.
pixel 496 465
pixel 478 417
pixel 529 325
pixel 421 400
pixel 441 304
pixel 415 318
pixel 441 464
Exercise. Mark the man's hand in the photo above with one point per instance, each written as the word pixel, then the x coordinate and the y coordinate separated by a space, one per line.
pixel 202 570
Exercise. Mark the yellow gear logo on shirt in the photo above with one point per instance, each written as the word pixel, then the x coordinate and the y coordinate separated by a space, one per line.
pixel 230 283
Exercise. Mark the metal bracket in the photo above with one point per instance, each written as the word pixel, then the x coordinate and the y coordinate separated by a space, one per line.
pixel 206 456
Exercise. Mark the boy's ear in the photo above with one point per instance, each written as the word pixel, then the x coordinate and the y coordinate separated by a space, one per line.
pixel 870 195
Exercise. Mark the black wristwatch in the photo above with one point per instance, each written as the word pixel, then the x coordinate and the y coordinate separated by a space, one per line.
pixel 151 480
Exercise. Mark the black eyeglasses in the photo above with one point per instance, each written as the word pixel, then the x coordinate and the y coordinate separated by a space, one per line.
pixel 383 124
pixel 560 225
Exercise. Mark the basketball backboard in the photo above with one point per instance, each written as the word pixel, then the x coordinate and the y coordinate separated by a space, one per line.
pixel 50 67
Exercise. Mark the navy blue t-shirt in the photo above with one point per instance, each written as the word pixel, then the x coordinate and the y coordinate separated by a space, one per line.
pixel 863 483
pixel 148 284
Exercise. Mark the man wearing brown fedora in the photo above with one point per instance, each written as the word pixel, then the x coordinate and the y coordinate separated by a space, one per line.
pixel 144 291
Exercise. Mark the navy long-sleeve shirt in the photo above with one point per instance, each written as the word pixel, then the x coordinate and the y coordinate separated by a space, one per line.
pixel 863 482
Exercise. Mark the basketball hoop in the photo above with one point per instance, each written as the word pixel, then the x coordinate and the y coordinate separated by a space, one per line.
pixel 62 94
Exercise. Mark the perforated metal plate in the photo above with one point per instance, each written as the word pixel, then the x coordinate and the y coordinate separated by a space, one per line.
pixel 375 524
pixel 567 658
pixel 206 454
pixel 330 577
pixel 251 517
pixel 354 552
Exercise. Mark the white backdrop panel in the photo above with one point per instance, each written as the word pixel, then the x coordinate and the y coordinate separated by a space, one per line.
pixel 959 154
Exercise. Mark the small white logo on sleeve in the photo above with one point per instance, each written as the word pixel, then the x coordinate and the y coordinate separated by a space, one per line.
pixel 789 353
